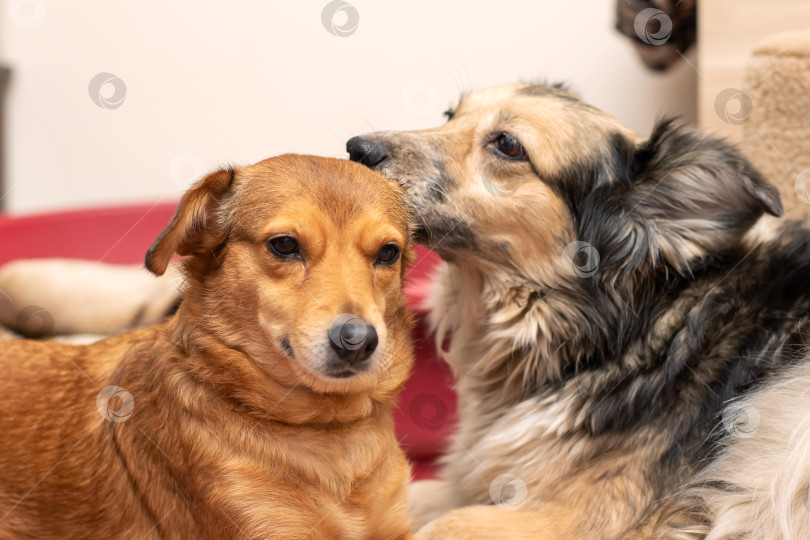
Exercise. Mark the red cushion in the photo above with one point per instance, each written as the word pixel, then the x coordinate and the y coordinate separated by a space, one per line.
pixel 113 235
pixel 426 412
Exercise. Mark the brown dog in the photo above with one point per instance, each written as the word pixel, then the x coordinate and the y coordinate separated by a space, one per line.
pixel 262 409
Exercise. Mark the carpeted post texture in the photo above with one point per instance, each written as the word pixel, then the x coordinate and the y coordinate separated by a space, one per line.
pixel 776 136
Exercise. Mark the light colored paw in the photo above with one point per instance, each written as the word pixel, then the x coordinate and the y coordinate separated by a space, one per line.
pixel 66 296
pixel 427 500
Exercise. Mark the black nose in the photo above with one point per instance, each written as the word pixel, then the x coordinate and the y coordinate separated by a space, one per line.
pixel 353 343
pixel 364 151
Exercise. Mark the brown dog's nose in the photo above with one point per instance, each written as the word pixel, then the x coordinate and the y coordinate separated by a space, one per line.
pixel 353 341
pixel 365 151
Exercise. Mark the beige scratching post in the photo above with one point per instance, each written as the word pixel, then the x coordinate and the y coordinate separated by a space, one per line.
pixel 776 137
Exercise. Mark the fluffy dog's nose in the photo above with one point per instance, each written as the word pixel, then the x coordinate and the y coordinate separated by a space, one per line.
pixel 353 343
pixel 365 151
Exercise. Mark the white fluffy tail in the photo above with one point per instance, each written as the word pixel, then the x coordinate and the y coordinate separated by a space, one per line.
pixel 758 488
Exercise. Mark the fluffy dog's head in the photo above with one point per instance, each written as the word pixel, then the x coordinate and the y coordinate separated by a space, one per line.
pixel 520 171
pixel 561 216
pixel 297 261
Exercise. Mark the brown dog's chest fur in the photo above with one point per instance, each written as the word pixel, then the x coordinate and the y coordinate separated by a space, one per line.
pixel 188 462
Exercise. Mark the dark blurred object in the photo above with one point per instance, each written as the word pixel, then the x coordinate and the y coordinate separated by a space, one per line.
pixel 662 30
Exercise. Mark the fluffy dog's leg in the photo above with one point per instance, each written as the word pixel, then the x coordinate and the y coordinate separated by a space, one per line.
pixel 427 500
pixel 64 296
pixel 552 522
pixel 484 522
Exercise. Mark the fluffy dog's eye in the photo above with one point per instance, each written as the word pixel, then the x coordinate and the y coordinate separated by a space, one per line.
pixel 449 113
pixel 509 147
pixel 283 246
pixel 387 255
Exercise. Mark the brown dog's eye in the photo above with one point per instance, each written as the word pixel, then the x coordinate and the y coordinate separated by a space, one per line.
pixel 283 246
pixel 387 255
pixel 506 145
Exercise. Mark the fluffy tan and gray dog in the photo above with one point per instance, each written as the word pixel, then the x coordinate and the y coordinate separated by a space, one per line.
pixel 627 328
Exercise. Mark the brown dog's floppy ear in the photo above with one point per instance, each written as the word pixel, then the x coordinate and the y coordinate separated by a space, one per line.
pixel 193 228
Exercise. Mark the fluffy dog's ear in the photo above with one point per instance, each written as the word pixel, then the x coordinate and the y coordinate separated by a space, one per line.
pixel 193 229
pixel 677 197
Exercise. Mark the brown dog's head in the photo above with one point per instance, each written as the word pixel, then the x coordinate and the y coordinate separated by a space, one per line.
pixel 297 261
pixel 521 171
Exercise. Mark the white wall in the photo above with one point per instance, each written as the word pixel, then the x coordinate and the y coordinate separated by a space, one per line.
pixel 238 81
